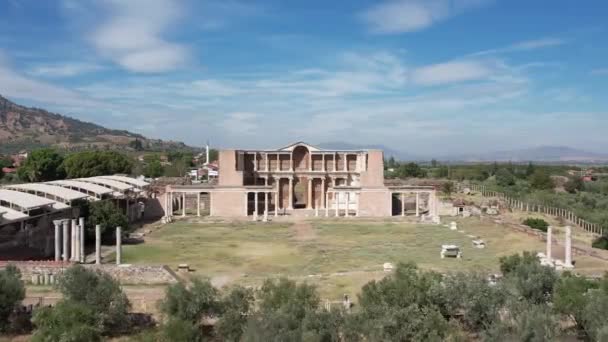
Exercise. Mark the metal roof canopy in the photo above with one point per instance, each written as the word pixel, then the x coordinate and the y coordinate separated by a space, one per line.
pixel 128 180
pixel 8 214
pixel 65 194
pixel 98 190
pixel 24 200
pixel 119 186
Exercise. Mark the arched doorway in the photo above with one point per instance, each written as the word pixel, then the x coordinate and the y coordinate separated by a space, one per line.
pixel 301 158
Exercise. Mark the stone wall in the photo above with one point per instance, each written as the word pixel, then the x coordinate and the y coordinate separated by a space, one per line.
pixel 125 274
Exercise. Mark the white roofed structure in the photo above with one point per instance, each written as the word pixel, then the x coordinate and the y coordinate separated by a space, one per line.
pixel 91 189
pixel 25 202
pixel 131 181
pixel 56 193
pixel 109 183
pixel 8 214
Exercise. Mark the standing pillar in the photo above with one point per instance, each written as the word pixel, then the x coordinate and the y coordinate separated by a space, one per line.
pixel 345 166
pixel 568 251
pixel 57 240
pixel 265 206
pixel 335 162
pixel 66 246
pixel 198 204
pixel 267 168
pixel 278 162
pixel 98 244
pixel 170 204
pixel 291 161
pixel 347 200
pixel 323 162
pixel 290 204
pixel 74 249
pixel 549 242
pixel 255 161
pixel 276 204
pixel 118 246
pixel 327 204
pixel 357 194
pixel 323 197
pixel 255 206
pixel 81 236
pixel 309 199
pixel 417 204
pixel 183 204
pixel 402 204
pixel 337 203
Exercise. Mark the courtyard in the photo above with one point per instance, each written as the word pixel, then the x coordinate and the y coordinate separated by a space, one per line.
pixel 339 256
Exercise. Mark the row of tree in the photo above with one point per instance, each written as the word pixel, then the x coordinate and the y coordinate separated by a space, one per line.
pixel 530 303
pixel 48 164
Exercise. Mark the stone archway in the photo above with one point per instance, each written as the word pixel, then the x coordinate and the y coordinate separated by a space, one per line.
pixel 301 158
pixel 300 193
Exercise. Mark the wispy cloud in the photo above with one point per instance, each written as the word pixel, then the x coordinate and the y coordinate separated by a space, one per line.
pixel 132 35
pixel 63 70
pixel 601 71
pixel 400 16
pixel 451 72
pixel 524 46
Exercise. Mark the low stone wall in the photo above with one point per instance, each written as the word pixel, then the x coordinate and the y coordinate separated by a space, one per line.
pixel 125 274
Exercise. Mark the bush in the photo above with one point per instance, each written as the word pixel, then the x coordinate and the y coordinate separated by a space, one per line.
pixel 67 321
pixel 600 242
pixel 99 292
pixel 12 293
pixel 536 223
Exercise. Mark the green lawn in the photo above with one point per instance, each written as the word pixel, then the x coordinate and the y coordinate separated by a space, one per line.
pixel 249 252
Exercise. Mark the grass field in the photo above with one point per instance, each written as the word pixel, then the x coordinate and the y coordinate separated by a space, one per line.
pixel 338 255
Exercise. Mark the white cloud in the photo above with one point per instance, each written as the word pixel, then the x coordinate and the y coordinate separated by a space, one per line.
pixel 451 72
pixel 240 123
pixel 63 70
pixel 399 16
pixel 132 35
pixel 601 71
pixel 524 46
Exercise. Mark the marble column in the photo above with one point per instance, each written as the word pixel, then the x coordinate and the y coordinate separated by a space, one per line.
pixel 57 240
pixel 255 161
pixel 65 236
pixel 568 246
pixel 290 204
pixel 278 162
pixel 323 162
pixel 183 204
pixel 347 204
pixel 357 195
pixel 255 206
pixel 417 204
pixel 265 206
pixel 402 204
pixel 335 162
pixel 81 236
pixel 345 166
pixel 74 236
pixel 276 204
pixel 97 244
pixel 549 242
pixel 309 193
pixel 118 245
pixel 198 204
pixel 337 203
pixel 326 204
pixel 267 162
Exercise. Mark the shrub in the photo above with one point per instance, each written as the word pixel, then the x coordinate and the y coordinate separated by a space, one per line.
pixel 536 223
pixel 12 293
pixel 600 242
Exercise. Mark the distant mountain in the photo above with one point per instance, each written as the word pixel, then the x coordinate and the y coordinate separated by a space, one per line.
pixel 26 128
pixel 540 154
pixel 388 152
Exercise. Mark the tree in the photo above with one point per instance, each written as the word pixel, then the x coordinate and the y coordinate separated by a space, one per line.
pixel 541 180
pixel 448 188
pixel 505 178
pixel 410 170
pixel 136 145
pixel 526 278
pixel 96 163
pixel 42 165
pixel 66 321
pixel 99 292
pixel 108 216
pixel 530 169
pixel 236 307
pixel 391 163
pixel 525 322
pixel 191 304
pixel 5 162
pixel 574 185
pixel 154 169
pixel 12 293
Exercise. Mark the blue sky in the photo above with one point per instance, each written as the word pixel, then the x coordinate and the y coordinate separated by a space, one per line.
pixel 425 76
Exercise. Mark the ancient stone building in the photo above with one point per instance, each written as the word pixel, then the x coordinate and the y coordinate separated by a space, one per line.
pixel 301 179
